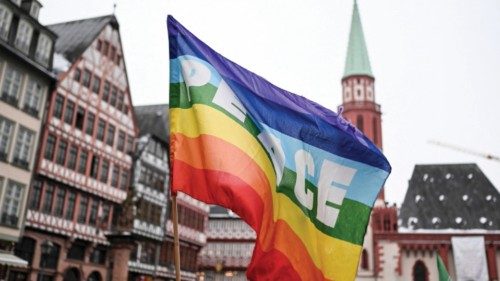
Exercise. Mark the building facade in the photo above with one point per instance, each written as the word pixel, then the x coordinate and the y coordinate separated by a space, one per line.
pixel 443 202
pixel 84 160
pixel 26 81
pixel 152 254
pixel 229 248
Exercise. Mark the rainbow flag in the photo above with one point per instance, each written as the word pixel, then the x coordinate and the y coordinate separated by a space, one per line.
pixel 301 176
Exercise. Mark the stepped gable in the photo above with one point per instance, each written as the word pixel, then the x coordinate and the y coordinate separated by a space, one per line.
pixel 451 196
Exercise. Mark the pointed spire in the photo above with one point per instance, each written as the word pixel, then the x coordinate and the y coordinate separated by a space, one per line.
pixel 357 61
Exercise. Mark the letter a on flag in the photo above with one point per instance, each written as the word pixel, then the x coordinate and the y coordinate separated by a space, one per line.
pixel 300 175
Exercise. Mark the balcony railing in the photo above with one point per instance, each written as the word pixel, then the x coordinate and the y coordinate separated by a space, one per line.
pixel 3 156
pixel 33 111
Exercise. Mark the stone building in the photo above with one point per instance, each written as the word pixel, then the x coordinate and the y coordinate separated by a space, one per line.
pixel 26 81
pixel 84 160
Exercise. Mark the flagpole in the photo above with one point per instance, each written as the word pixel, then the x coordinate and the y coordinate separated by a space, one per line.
pixel 177 256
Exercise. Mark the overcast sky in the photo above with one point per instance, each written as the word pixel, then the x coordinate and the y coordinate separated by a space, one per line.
pixel 436 63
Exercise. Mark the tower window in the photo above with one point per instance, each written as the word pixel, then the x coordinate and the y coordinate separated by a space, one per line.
pixel 375 131
pixel 359 123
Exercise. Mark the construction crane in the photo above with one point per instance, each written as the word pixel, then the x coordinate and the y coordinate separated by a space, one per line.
pixel 465 150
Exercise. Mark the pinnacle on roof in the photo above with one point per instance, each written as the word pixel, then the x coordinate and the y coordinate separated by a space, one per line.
pixel 357 61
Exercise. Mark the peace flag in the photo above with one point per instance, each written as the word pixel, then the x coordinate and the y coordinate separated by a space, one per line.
pixel 299 174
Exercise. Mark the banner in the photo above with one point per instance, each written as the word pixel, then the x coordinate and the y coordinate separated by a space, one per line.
pixel 300 175
pixel 470 258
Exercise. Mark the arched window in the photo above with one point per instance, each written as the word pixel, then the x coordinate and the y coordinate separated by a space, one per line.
pixel 364 260
pixel 72 274
pixel 359 123
pixel 95 276
pixel 420 272
pixel 375 130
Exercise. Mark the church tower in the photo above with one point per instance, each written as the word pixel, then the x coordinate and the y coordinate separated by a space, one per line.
pixel 358 86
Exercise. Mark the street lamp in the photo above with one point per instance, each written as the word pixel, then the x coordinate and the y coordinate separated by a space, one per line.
pixel 46 249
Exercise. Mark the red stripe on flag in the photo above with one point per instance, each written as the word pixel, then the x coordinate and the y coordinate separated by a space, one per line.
pixel 216 187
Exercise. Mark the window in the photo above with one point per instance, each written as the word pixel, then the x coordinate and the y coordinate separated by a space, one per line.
pixel 68 113
pixel 32 97
pixel 105 214
pixel 49 147
pixel 5 18
pixel 114 176
pixel 86 78
pixel 77 251
pixel 80 116
pixel 124 180
pixel 61 152
pixel 364 260
pixel 94 167
pixel 375 130
pixel 82 163
pixel 99 45
pixel 25 249
pixel 11 86
pixel 43 49
pixel 72 157
pixel 36 194
pixel 35 9
pixel 111 135
pixel 90 123
pixel 93 212
pixel 112 100
pixel 22 151
pixel 47 200
pixel 100 129
pixel 105 91
pixel 82 216
pixel 96 86
pixel 49 259
pixel 105 47
pixel 420 272
pixel 98 256
pixel 77 75
pixel 359 123
pixel 70 208
pixel 23 37
pixel 104 171
pixel 6 127
pixel 130 144
pixel 58 209
pixel 11 203
pixel 119 103
pixel 58 107
pixel 112 53
pixel 121 141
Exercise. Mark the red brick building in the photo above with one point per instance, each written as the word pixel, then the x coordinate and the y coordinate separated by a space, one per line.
pixel 84 160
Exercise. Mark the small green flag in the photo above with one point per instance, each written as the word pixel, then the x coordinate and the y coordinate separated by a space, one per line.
pixel 443 273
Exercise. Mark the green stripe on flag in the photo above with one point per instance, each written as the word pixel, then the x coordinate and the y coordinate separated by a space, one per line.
pixel 353 216
pixel 443 273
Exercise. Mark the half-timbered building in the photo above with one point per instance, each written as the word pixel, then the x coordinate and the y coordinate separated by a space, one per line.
pixel 85 156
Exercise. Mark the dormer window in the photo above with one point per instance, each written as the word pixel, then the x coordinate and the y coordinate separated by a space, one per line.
pixel 43 49
pixel 5 18
pixel 35 9
pixel 23 37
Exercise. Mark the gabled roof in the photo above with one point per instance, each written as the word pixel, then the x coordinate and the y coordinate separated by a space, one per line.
pixel 153 120
pixel 357 61
pixel 74 37
pixel 451 196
